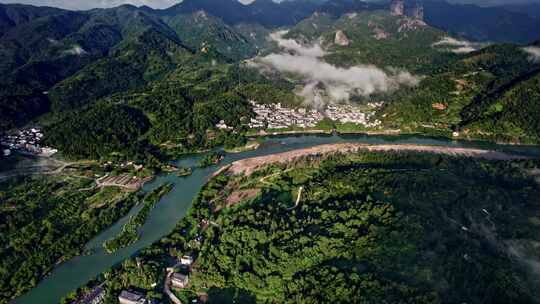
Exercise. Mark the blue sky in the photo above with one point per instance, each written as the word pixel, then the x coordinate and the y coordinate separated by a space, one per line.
pixel 88 4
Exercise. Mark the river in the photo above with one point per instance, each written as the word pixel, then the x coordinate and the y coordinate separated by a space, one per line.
pixel 76 272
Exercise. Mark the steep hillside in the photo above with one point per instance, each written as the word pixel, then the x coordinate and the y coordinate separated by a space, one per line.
pixel 263 12
pixel 489 93
pixel 373 37
pixel 13 15
pixel 117 127
pixel 132 63
pixel 39 50
pixel 69 58
pixel 60 60
pixel 509 113
pixel 202 31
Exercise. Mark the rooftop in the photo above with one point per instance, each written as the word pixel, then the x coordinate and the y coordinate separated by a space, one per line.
pixel 131 296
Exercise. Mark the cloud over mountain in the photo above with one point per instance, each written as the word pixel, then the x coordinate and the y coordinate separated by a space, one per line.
pixel 534 53
pixel 320 78
pixel 459 46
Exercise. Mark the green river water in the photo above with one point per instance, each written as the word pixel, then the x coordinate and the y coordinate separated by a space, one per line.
pixel 76 272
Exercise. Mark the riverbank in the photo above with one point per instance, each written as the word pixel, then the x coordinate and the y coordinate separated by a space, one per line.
pixel 173 207
pixel 443 134
pixel 250 165
pixel 250 146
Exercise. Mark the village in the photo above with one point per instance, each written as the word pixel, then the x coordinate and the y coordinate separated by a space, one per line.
pixel 176 278
pixel 26 141
pixel 276 116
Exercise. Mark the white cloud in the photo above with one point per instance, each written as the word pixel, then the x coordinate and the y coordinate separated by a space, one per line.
pixel 459 46
pixel 291 45
pixel 534 53
pixel 76 50
pixel 323 79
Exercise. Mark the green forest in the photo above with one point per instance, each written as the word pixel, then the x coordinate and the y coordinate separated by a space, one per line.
pixel 368 228
pixel 47 220
pixel 130 231
pixel 144 86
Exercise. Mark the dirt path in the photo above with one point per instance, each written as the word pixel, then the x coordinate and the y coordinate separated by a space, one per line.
pixel 298 197
pixel 264 178
pixel 250 165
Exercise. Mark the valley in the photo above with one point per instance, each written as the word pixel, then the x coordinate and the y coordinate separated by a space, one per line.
pixel 308 151
pixel 190 237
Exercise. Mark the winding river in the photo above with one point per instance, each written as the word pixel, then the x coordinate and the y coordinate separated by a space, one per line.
pixel 70 275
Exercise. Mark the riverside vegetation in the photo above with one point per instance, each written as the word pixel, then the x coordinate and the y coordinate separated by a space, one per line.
pixel 47 220
pixel 177 81
pixel 368 227
pixel 130 233
pixel 146 86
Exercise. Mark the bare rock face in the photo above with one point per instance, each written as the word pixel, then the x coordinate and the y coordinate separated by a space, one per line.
pixel 439 106
pixel 415 9
pixel 341 38
pixel 397 7
pixel 380 34
pixel 408 24
pixel 418 13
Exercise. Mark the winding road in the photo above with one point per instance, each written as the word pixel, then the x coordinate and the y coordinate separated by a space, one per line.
pixel 167 287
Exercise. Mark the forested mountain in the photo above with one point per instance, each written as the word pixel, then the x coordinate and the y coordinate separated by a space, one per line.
pixel 202 31
pixel 374 37
pixel 141 85
pixel 264 12
pixel 138 59
pixel 491 93
pixel 39 53
pixel 13 15
pixel 57 60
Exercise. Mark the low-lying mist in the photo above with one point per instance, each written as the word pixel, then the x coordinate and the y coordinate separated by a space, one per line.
pixel 534 53
pixel 459 46
pixel 327 83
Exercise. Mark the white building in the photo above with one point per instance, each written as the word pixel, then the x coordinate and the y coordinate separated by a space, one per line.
pixel 129 297
pixel 223 126
pixel 179 280
pixel 186 260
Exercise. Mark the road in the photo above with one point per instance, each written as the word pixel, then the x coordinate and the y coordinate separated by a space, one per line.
pixel 167 288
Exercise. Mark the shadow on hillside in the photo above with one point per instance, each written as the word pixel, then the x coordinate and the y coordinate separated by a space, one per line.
pixel 230 295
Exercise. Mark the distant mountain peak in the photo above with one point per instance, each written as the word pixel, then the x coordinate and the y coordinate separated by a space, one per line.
pixel 411 8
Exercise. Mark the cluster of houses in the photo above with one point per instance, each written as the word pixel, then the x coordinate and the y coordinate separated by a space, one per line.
pixel 223 126
pixel 26 141
pixel 275 116
pixel 351 114
pixel 178 280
